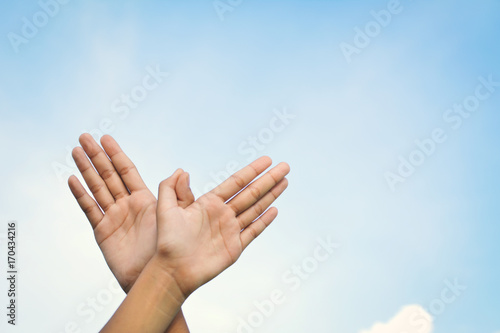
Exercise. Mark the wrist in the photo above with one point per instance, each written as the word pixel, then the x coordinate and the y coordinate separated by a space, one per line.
pixel 151 305
pixel 183 276
pixel 165 279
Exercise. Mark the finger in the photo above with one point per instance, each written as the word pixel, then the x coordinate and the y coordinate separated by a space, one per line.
pixel 255 229
pixel 103 166
pixel 87 204
pixel 258 188
pixel 252 213
pixel 242 178
pixel 167 198
pixel 126 169
pixel 185 196
pixel 94 182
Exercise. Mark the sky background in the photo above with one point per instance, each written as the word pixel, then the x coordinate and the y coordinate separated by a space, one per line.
pixel 230 71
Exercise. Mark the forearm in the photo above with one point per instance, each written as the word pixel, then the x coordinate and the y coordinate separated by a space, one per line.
pixel 178 325
pixel 150 306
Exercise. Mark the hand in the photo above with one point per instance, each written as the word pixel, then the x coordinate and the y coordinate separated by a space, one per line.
pixel 198 242
pixel 124 216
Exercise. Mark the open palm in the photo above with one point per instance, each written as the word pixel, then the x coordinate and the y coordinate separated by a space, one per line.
pixel 199 241
pixel 123 214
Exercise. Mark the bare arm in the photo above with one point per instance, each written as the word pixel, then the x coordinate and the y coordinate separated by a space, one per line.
pixel 179 324
pixel 150 306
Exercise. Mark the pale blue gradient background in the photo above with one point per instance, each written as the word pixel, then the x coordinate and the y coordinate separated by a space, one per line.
pixel 226 77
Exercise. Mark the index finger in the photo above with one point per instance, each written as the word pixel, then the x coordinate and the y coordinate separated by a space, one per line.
pixel 239 180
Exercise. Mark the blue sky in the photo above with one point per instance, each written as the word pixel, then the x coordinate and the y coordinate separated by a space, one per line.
pixel 349 123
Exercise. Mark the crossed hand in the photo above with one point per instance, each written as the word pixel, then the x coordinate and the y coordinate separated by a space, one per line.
pixel 193 240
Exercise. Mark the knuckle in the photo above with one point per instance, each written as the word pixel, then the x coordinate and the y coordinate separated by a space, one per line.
pixel 107 174
pixel 88 209
pixel 258 209
pixel 126 169
pixel 96 187
pixel 273 196
pixel 274 177
pixel 255 192
pixel 120 195
pixel 107 207
pixel 92 153
pixel 238 180
pixel 253 233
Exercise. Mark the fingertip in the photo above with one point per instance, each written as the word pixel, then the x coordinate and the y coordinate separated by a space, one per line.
pixel 84 137
pixel 107 143
pixel 71 180
pixel 106 138
pixel 163 183
pixel 74 185
pixel 86 141
pixel 74 153
pixel 286 166
pixel 266 159
pixel 182 181
pixel 285 182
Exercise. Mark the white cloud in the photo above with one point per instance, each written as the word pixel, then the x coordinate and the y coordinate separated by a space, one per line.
pixel 411 319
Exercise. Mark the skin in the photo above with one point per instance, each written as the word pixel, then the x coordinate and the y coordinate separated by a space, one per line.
pixel 123 214
pixel 197 242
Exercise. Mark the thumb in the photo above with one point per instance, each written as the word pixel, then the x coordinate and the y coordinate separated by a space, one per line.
pixel 185 196
pixel 167 197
